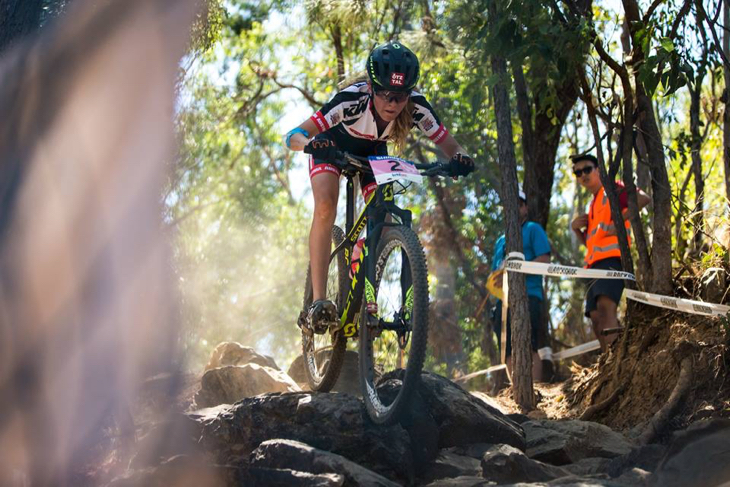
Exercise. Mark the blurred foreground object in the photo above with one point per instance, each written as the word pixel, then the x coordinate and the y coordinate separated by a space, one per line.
pixel 86 302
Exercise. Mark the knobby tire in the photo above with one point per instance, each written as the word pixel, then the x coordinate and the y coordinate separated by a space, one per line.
pixel 325 379
pixel 382 411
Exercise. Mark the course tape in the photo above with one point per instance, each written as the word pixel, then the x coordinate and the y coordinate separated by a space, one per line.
pixel 577 350
pixel 515 263
pixel 543 269
pixel 679 304
pixel 467 377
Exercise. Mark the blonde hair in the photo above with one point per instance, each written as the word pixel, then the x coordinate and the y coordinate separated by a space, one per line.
pixel 402 125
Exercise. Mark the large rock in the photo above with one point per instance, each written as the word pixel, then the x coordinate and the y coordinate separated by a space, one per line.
pixel 463 418
pixel 563 442
pixel 505 464
pixel 229 384
pixel 233 353
pixel 699 456
pixel 417 421
pixel 590 466
pixel 473 450
pixel 574 481
pixel 334 422
pixel 294 455
pixel 180 470
pixel 282 477
pixel 348 380
pixel 488 400
pixel 449 465
pixel 176 436
pixel 643 457
pixel 464 481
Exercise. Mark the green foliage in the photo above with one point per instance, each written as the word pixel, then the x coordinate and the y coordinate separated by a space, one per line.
pixel 665 67
pixel 238 231
pixel 241 229
pixel 207 25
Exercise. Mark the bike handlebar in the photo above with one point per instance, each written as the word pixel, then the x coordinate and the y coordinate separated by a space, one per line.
pixel 348 162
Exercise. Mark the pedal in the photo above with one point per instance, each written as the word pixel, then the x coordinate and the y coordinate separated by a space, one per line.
pixel 325 326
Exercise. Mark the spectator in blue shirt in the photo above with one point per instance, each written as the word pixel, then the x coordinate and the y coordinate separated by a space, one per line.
pixel 537 249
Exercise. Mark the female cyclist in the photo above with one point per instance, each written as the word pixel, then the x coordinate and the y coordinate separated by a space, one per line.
pixel 378 108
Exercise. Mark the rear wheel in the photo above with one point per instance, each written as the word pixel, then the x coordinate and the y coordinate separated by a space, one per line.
pixel 393 342
pixel 324 350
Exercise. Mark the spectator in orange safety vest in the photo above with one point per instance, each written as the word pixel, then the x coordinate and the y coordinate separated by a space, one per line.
pixel 598 232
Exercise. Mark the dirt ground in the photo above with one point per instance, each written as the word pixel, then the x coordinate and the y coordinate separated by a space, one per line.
pixel 649 358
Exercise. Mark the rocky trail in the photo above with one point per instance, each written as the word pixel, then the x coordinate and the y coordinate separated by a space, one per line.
pixel 248 423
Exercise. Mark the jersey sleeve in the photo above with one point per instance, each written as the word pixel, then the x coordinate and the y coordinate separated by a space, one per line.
pixel 332 112
pixel 539 240
pixel 425 118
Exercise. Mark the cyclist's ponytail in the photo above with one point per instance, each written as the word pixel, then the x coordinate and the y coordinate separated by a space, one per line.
pixel 402 127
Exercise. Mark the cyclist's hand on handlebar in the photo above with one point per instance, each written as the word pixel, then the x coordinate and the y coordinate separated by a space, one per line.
pixel 322 149
pixel 461 165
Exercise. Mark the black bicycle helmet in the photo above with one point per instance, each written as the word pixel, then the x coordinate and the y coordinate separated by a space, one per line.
pixel 393 67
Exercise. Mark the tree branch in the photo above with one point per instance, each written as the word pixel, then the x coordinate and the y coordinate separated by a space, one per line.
pixel 650 11
pixel 718 44
pixel 307 95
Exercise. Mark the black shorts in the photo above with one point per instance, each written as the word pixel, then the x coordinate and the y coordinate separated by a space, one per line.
pixel 535 307
pixel 613 288
pixel 367 181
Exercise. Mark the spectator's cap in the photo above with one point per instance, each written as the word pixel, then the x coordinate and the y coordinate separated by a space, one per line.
pixel 584 157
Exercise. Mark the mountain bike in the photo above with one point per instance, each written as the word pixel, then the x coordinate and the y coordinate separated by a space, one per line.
pixel 391 322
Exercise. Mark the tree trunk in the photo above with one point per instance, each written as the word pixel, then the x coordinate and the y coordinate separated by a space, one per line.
pixel 642 166
pixel 540 147
pixel 521 349
pixel 528 134
pixel 696 147
pixel 726 115
pixel 339 51
pixel 17 19
pixel 539 180
pixel 661 257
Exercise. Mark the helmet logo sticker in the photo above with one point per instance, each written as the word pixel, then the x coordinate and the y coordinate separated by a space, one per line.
pixel 397 79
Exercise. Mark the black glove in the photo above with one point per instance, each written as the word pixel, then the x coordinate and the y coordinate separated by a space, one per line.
pixel 461 165
pixel 322 149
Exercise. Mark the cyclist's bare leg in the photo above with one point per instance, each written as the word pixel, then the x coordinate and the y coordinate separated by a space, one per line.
pixel 326 191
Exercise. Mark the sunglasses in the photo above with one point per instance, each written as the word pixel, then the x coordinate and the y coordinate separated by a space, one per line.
pixel 586 170
pixel 389 96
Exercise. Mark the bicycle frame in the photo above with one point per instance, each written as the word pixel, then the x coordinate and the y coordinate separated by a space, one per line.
pixel 373 216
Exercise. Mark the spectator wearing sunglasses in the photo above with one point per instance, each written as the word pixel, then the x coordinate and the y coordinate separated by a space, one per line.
pixel 598 232
pixel 372 109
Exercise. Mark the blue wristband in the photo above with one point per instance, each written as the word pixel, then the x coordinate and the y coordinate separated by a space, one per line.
pixel 297 130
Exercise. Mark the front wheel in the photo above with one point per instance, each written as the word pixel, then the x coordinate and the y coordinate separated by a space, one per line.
pixel 324 350
pixel 393 340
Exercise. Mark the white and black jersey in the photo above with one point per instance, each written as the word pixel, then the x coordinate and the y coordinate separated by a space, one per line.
pixel 350 120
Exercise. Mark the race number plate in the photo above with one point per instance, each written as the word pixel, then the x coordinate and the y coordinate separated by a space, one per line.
pixel 387 169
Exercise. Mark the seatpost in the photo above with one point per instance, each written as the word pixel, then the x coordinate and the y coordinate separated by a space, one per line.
pixel 350 207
